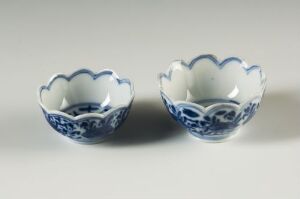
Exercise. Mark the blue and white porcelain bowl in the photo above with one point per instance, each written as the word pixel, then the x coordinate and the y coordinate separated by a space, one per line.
pixel 212 98
pixel 86 106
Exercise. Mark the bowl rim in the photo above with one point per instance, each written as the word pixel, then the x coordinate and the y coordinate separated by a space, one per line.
pixel 94 75
pixel 220 64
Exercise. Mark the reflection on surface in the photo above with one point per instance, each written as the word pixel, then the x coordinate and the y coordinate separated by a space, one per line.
pixel 106 101
pixel 234 93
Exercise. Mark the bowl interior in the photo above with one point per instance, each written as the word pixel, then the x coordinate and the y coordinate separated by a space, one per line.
pixel 207 83
pixel 85 94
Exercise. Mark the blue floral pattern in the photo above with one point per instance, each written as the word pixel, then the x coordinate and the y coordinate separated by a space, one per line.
pixel 210 119
pixel 87 130
pixel 75 121
pixel 218 122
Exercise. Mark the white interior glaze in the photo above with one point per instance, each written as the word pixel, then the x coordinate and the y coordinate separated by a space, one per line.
pixel 105 90
pixel 207 81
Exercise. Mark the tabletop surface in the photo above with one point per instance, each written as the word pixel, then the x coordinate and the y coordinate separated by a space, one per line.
pixel 152 156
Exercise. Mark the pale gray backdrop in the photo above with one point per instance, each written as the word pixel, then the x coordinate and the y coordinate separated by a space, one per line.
pixel 152 157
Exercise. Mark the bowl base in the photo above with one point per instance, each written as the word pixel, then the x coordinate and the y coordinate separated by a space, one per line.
pixel 89 142
pixel 215 139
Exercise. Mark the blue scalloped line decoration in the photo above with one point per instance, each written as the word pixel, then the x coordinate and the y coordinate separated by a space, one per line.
pixel 83 119
pixel 88 130
pixel 85 71
pixel 220 65
pixel 214 124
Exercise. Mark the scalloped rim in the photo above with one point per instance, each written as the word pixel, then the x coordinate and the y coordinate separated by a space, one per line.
pixel 94 76
pixel 220 64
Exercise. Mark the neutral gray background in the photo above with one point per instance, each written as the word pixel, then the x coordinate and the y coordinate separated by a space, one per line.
pixel 152 157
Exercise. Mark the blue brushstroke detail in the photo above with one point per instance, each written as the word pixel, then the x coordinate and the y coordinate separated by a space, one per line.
pixel 215 124
pixel 82 108
pixel 87 129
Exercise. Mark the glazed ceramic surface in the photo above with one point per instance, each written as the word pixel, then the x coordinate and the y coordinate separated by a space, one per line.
pixel 86 106
pixel 212 98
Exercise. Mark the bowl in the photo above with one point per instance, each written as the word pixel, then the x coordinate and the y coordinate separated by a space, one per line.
pixel 212 99
pixel 86 106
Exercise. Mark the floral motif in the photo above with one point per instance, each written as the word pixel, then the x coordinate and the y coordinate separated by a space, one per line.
pixel 217 116
pixel 87 129
pixel 87 122
pixel 220 121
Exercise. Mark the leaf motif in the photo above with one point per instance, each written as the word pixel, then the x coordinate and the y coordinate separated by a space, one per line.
pixel 220 112
pixel 214 119
pixel 203 123
pixel 207 118
pixel 190 113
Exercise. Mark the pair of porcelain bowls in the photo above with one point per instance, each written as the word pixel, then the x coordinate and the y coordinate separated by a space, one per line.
pixel 211 99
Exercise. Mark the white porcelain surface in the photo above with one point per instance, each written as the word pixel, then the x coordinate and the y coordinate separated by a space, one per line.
pixel 138 39
pixel 86 106
pixel 212 98
pixel 83 88
pixel 205 81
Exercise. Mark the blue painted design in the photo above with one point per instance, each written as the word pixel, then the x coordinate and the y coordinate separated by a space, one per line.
pixel 90 129
pixel 82 108
pixel 213 119
pixel 211 124
pixel 170 106
pixel 87 122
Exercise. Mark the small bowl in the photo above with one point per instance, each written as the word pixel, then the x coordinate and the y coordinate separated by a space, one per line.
pixel 212 99
pixel 86 106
